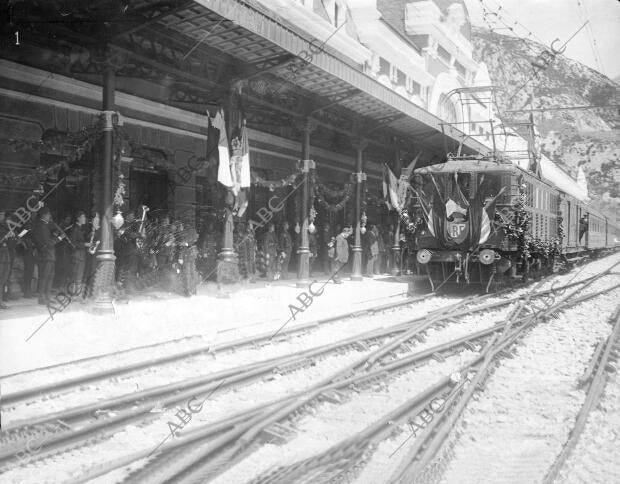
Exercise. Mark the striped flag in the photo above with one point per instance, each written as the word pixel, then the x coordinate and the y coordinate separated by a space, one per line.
pixel 485 227
pixel 245 157
pixel 390 189
pixel 223 169
pixel 384 176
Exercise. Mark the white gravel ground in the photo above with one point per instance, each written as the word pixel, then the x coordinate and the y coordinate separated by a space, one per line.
pixel 562 347
pixel 512 432
pixel 329 423
pixel 198 365
pixel 225 402
pixel 595 458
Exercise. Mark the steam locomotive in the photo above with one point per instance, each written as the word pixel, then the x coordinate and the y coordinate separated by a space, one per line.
pixel 484 220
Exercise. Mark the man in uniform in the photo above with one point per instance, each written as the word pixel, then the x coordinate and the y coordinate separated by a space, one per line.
pixel 46 242
pixel 583 227
pixel 78 253
pixel 128 262
pixel 286 247
pixel 5 258
pixel 186 240
pixel 26 243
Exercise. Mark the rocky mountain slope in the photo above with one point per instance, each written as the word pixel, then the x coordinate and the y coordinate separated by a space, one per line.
pixel 589 138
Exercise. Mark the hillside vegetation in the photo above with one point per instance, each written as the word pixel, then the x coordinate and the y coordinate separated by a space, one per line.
pixel 571 138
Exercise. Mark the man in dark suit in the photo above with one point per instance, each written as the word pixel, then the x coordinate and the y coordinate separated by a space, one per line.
pixel 45 241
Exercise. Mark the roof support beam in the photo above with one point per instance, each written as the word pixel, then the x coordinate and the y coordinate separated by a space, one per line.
pixel 346 96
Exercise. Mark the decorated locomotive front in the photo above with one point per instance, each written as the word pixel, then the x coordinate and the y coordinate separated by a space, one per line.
pixel 459 209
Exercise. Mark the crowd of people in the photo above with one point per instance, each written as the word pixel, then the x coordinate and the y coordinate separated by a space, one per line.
pixel 159 251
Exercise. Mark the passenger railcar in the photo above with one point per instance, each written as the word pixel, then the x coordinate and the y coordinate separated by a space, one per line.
pixel 482 220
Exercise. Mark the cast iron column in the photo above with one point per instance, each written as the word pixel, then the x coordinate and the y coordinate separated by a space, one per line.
pixel 303 269
pixel 104 277
pixel 359 176
pixel 396 244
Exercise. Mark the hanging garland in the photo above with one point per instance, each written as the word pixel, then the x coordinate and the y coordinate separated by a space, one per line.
pixel 84 140
pixel 273 184
pixel 120 189
pixel 333 192
pixel 405 219
pixel 517 228
pixel 333 207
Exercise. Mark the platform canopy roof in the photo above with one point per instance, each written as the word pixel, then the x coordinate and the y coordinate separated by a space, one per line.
pixel 194 48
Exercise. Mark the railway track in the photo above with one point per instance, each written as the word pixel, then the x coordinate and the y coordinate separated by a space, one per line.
pixel 595 379
pixel 118 371
pixel 365 371
pixel 342 461
pixel 78 423
pixel 71 429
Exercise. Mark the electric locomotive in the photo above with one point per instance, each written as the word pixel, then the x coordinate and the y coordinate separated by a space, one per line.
pixel 484 220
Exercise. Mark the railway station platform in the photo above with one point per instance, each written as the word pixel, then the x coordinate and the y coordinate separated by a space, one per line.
pixel 154 317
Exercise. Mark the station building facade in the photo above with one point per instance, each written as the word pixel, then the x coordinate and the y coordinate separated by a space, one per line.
pixel 351 85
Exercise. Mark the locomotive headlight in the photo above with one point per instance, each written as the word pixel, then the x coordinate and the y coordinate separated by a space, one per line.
pixel 424 256
pixel 486 256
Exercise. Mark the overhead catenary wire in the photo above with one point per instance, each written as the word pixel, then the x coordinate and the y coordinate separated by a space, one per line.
pixel 583 11
pixel 509 25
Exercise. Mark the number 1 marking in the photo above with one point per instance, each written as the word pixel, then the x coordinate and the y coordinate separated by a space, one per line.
pixel 16 38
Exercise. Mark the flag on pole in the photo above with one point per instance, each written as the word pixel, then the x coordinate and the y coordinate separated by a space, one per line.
pixel 384 177
pixel 223 169
pixel 245 157
pixel 393 190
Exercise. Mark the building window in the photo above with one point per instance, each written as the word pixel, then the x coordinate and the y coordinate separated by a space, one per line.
pixel 401 79
pixel 460 69
pixel 393 73
pixel 384 67
pixel 443 54
pixel 413 87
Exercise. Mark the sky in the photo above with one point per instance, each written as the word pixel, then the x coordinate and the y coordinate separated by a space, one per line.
pixel 551 19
